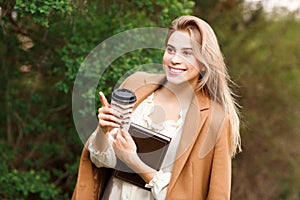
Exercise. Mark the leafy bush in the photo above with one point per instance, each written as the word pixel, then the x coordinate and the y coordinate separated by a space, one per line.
pixel 43 43
pixel 19 185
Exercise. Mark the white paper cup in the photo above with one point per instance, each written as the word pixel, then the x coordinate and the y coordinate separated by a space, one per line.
pixel 122 101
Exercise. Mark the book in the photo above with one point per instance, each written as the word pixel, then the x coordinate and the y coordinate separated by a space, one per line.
pixel 151 148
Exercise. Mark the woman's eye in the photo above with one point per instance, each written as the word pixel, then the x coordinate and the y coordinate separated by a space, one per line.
pixel 170 50
pixel 187 53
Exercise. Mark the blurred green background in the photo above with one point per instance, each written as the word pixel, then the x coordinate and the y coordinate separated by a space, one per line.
pixel 43 42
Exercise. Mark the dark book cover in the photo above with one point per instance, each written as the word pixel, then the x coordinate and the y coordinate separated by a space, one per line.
pixel 151 148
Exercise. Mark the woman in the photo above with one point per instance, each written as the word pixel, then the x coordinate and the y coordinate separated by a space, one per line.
pixel 192 104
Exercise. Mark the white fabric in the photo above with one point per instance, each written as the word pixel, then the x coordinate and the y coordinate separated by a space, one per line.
pixel 102 159
pixel 118 189
pixel 159 184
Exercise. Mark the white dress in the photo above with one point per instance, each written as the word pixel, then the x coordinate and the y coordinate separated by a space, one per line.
pixel 118 189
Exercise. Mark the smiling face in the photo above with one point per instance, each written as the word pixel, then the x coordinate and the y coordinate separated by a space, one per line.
pixel 179 61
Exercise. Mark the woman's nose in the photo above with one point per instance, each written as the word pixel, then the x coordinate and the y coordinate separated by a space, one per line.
pixel 176 58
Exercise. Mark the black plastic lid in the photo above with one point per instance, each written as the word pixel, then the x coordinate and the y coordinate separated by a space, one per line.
pixel 123 96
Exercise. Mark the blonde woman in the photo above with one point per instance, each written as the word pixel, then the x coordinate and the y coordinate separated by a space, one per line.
pixel 191 103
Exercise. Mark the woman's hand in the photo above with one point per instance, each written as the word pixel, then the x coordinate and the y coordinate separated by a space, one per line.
pixel 107 117
pixel 125 147
pixel 126 150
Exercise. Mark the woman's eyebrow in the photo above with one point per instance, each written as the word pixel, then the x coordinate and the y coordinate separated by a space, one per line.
pixel 188 48
pixel 170 45
pixel 184 48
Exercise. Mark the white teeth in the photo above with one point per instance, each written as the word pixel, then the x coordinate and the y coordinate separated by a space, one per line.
pixel 176 71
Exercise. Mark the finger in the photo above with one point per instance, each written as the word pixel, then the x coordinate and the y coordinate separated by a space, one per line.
pixel 106 110
pixel 110 111
pixel 105 120
pixel 120 139
pixel 109 118
pixel 104 123
pixel 126 135
pixel 103 100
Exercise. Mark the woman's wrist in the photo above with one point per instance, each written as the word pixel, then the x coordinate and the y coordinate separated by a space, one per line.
pixel 137 165
pixel 100 141
pixel 133 160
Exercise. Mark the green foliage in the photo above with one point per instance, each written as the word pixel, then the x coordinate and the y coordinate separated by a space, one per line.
pixel 43 44
pixel 164 9
pixel 41 10
pixel 96 28
pixel 18 185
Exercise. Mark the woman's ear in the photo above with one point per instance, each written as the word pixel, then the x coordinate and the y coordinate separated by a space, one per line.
pixel 202 73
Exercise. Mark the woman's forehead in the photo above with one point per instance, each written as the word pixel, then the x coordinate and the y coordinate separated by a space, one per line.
pixel 180 39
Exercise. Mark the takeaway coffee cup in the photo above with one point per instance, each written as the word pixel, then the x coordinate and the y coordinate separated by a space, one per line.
pixel 122 101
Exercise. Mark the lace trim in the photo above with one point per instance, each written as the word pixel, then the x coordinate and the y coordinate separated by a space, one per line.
pixel 159 182
pixel 168 124
pixel 102 159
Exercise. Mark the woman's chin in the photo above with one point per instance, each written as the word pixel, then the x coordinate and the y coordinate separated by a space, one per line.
pixel 176 80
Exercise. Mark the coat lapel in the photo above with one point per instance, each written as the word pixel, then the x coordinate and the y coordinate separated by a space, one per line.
pixel 195 118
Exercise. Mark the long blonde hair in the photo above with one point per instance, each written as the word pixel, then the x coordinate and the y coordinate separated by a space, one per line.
pixel 215 80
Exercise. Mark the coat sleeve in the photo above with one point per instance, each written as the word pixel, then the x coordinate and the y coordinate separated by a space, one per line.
pixel 220 180
pixel 91 181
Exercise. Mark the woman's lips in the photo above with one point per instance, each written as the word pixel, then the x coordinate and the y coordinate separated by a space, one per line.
pixel 176 71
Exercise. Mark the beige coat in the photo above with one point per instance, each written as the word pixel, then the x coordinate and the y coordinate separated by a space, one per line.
pixel 196 175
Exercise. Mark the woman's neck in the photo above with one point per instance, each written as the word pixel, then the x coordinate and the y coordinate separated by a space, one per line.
pixel 183 92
